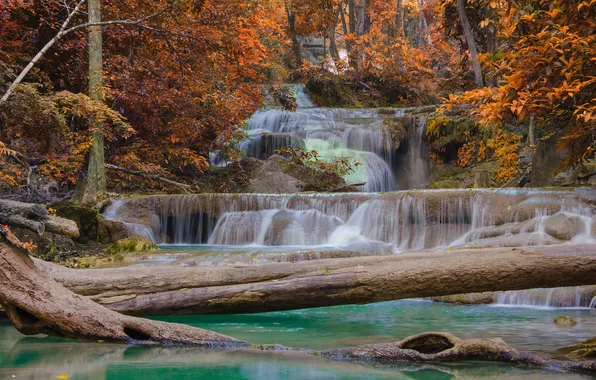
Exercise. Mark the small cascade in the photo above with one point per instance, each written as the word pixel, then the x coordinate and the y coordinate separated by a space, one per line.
pixel 366 222
pixel 357 134
pixel 573 297
pixel 414 165
pixel 112 213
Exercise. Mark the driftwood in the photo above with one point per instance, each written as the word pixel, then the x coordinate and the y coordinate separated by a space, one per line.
pixel 165 290
pixel 156 177
pixel 34 217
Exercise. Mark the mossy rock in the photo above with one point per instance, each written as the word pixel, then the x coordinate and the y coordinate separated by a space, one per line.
pixel 565 320
pixel 131 244
pixel 87 219
pixel 583 350
pixel 445 184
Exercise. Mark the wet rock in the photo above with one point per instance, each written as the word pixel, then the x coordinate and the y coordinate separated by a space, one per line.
pixel 131 244
pixel 563 227
pixel 275 183
pixel 49 246
pixel 467 299
pixel 565 320
pixel 583 350
pixel 110 231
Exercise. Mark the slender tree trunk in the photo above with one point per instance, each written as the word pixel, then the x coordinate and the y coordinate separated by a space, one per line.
pixel 332 43
pixel 491 43
pixel 92 187
pixel 295 43
pixel 399 19
pixel 424 24
pixel 469 35
pixel 352 53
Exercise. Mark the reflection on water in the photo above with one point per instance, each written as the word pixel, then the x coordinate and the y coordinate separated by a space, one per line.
pixel 526 329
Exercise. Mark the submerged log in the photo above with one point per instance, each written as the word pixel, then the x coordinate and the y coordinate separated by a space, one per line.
pixel 168 290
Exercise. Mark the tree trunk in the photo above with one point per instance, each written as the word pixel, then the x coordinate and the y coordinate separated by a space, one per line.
pixel 469 35
pixel 424 24
pixel 164 290
pixel 332 43
pixel 92 186
pixel 36 304
pixel 352 52
pixel 399 19
pixel 295 44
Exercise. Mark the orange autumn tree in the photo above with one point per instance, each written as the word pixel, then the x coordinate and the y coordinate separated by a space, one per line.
pixel 184 80
pixel 547 75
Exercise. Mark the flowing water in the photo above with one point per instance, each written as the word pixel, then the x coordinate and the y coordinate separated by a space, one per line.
pixel 233 229
pixel 370 223
pixel 531 330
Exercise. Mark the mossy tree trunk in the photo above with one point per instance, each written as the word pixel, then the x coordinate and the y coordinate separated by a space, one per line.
pixel 91 185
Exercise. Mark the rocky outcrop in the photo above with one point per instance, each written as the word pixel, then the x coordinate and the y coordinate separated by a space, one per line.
pixel 271 179
pixel 565 320
pixel 583 350
pixel 131 244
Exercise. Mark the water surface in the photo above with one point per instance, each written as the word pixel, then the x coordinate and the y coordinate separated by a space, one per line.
pixel 528 329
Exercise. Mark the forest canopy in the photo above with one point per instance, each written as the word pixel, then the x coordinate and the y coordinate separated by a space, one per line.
pixel 180 77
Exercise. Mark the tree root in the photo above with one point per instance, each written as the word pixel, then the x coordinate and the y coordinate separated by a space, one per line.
pixel 157 177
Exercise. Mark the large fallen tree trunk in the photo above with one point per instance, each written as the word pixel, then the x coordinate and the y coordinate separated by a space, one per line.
pixel 36 304
pixel 166 290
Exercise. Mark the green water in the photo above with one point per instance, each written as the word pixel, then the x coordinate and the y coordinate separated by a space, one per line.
pixel 527 329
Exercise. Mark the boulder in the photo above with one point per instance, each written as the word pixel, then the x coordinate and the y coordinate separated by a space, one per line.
pixel 110 231
pixel 86 219
pixel 565 320
pixel 131 244
pixel 270 179
pixel 62 226
pixel 563 227
pixel 49 246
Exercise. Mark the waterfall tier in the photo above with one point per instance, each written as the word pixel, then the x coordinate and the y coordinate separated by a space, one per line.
pixel 369 222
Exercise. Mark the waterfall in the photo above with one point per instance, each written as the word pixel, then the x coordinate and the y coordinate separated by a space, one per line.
pixel 368 222
pixel 357 134
pixel 573 297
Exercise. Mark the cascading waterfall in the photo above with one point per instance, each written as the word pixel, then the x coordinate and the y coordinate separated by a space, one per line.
pixel 573 297
pixel 369 222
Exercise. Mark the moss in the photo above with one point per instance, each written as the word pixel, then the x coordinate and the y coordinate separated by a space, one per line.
pixel 445 184
pixel 397 128
pixel 87 219
pixel 131 244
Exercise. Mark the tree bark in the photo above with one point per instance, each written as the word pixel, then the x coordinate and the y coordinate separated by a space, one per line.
pixel 424 23
pixel 332 43
pixel 165 290
pixel 36 304
pixel 469 35
pixel 352 52
pixel 399 19
pixel 92 186
pixel 35 217
pixel 295 44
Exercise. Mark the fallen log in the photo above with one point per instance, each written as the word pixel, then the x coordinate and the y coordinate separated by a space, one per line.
pixel 36 304
pixel 168 290
pixel 34 217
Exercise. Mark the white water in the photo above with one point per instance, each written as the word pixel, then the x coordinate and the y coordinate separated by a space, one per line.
pixel 384 223
pixel 573 297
